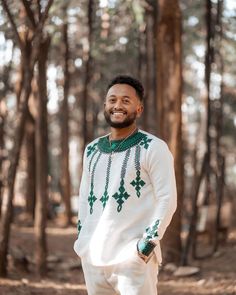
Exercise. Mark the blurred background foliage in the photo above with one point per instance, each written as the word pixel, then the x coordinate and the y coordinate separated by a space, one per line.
pixel 90 42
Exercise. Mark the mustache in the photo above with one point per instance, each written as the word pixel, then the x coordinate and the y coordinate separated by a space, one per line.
pixel 118 110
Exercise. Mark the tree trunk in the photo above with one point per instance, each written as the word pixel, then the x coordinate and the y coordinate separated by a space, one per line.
pixel 41 137
pixel 193 221
pixel 5 78
pixel 28 145
pixel 88 61
pixel 2 151
pixel 14 158
pixel 208 61
pixel 65 169
pixel 28 62
pixel 208 173
pixel 30 166
pixel 219 124
pixel 169 92
pixel 142 70
pixel 150 77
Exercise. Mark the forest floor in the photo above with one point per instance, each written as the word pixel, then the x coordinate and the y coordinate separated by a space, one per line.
pixel 217 274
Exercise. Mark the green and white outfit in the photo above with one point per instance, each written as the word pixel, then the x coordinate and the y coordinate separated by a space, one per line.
pixel 124 196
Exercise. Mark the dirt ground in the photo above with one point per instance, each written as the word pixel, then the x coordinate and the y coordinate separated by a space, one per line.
pixel 217 274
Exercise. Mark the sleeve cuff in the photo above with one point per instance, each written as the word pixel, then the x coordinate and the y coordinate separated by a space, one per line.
pixel 145 247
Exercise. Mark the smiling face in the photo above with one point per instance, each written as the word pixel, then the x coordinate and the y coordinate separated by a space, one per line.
pixel 122 106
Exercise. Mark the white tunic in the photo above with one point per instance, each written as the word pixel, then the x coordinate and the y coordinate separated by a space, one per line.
pixel 124 197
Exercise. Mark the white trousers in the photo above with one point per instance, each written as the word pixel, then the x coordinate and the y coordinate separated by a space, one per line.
pixel 132 277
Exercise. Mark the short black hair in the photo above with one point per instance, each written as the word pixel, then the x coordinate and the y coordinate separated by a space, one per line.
pixel 125 79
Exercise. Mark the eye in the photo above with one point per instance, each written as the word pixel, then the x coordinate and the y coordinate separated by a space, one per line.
pixel 126 101
pixel 112 100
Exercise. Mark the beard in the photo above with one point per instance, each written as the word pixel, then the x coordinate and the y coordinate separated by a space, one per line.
pixel 128 121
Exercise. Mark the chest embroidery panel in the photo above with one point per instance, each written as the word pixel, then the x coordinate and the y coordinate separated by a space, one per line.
pixel 101 162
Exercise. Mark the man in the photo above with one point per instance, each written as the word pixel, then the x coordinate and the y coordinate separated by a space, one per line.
pixel 127 199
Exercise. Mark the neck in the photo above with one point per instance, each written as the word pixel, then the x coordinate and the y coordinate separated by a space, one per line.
pixel 120 133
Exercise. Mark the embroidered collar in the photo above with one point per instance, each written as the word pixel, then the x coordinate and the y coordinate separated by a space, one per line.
pixel 134 139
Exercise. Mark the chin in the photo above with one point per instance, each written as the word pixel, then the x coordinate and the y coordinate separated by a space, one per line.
pixel 119 125
pixel 117 122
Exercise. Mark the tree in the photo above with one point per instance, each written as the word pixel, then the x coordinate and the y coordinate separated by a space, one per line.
pixel 30 155
pixel 5 74
pixel 212 164
pixel 169 93
pixel 65 169
pixel 151 16
pixel 2 150
pixel 41 141
pixel 29 63
pixel 87 74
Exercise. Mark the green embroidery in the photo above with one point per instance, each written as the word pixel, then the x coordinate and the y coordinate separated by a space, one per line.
pixel 91 149
pixel 151 231
pixel 145 142
pixel 139 140
pixel 79 226
pixel 90 163
pixel 122 195
pixel 105 196
pixel 137 183
pixel 114 145
pixel 124 165
pixel 92 198
pixel 104 145
pixel 145 247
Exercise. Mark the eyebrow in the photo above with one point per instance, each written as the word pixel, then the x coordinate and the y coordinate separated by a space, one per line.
pixel 124 96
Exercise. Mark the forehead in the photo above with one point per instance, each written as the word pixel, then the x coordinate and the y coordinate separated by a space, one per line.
pixel 122 90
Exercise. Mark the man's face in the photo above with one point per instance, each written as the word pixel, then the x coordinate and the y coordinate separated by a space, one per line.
pixel 122 106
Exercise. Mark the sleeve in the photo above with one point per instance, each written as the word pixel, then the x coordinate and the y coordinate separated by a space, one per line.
pixel 160 166
pixel 83 194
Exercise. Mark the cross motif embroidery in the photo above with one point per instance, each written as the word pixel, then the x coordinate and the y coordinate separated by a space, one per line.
pixel 151 231
pixel 91 149
pixel 122 196
pixel 138 183
pixel 104 199
pixel 145 142
pixel 91 199
pixel 105 196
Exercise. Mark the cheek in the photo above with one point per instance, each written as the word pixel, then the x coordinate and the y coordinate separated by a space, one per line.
pixel 105 107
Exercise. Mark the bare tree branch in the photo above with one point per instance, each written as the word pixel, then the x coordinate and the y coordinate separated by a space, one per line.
pixel 30 14
pixel 18 39
pixel 43 18
pixel 39 9
pixel 38 33
pixel 45 13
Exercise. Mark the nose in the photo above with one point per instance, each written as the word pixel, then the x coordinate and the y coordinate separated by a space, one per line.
pixel 118 105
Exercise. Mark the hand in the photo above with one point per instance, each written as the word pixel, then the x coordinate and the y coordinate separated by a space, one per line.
pixel 145 249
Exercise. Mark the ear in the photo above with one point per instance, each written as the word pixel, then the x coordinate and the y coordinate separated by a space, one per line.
pixel 140 110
